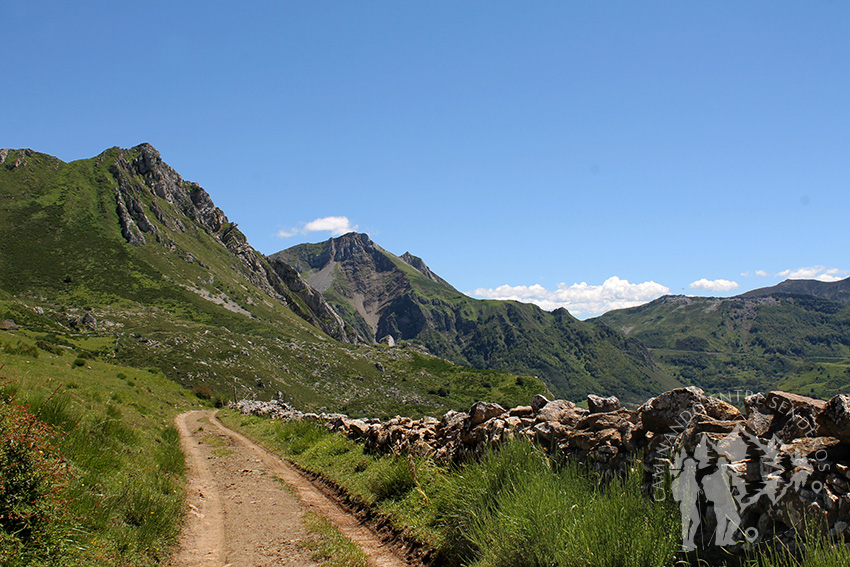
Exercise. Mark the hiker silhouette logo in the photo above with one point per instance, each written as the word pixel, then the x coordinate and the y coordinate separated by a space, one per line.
pixel 721 479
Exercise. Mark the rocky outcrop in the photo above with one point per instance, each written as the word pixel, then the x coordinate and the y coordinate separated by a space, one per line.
pixel 784 457
pixel 418 264
pixel 142 177
pixel 834 419
pixel 20 157
pixel 324 315
pixel 89 321
pixel 372 279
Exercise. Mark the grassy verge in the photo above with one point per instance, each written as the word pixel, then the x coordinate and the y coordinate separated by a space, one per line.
pixel 330 548
pixel 120 497
pixel 514 507
pixel 820 551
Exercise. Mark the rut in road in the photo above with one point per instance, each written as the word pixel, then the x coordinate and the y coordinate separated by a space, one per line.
pixel 246 504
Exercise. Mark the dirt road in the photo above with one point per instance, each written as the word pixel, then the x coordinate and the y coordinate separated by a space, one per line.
pixel 246 504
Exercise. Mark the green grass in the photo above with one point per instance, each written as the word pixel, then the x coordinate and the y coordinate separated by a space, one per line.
pixel 820 551
pixel 330 548
pixel 125 485
pixel 316 375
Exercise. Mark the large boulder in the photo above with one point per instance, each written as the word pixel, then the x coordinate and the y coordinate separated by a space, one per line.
pixel 89 320
pixel 791 416
pixel 521 411
pixel 452 419
pixel 356 427
pixel 563 411
pixel 677 408
pixel 620 419
pixel 538 401
pixel 482 411
pixel 598 404
pixel 834 419
pixel 548 433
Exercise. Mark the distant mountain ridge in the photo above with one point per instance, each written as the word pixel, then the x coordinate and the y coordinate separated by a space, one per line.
pixel 834 291
pixel 381 294
pixel 791 336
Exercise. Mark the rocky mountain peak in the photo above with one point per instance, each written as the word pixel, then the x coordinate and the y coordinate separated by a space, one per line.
pixel 350 245
pixel 153 199
pixel 149 158
pixel 419 265
pixel 19 155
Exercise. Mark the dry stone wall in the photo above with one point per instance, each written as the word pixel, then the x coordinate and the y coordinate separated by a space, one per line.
pixel 779 458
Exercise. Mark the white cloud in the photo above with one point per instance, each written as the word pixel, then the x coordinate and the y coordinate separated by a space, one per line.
pixel 821 273
pixel 714 285
pixel 762 273
pixel 337 226
pixel 580 299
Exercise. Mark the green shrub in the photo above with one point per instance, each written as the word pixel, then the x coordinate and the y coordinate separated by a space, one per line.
pixel 202 391
pixel 298 436
pixel 111 427
pixel 47 347
pixel 21 349
pixel 32 475
pixel 169 455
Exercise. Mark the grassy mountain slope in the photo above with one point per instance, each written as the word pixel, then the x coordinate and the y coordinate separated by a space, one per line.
pixel 114 508
pixel 381 294
pixel 834 291
pixel 119 249
pixel 62 235
pixel 753 341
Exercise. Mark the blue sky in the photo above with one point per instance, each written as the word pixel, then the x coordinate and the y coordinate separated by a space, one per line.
pixel 586 154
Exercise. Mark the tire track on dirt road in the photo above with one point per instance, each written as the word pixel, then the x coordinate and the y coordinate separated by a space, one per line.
pixel 240 513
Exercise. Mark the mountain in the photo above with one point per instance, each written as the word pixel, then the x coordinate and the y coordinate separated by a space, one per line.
pixel 834 291
pixel 55 227
pixel 781 337
pixel 380 294
pixel 123 258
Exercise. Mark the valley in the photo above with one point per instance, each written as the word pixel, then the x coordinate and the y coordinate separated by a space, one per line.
pixel 128 298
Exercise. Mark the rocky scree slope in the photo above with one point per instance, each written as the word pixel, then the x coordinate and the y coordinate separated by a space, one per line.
pixel 382 295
